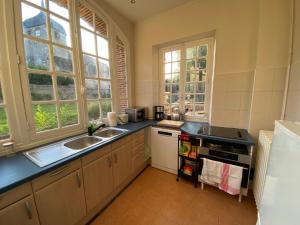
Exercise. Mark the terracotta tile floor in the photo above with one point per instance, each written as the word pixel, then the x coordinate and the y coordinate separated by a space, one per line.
pixel 155 198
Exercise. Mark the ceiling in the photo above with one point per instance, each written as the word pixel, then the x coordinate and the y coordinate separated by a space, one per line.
pixel 143 8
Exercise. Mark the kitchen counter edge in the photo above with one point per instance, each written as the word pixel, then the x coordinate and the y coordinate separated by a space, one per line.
pixel 16 169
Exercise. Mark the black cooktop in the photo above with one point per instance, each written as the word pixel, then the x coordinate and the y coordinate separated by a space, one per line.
pixel 232 133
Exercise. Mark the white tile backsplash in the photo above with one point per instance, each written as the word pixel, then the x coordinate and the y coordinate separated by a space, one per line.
pixel 232 94
pixel 267 102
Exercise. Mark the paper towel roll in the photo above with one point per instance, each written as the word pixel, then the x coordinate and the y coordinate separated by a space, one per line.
pixel 112 119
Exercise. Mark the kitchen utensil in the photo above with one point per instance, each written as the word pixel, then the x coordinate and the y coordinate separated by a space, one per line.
pixel 112 119
pixel 123 118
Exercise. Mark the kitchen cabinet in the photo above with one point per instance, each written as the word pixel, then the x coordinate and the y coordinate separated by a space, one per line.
pixel 98 180
pixel 62 202
pixel 73 193
pixel 138 151
pixel 23 212
pixel 121 164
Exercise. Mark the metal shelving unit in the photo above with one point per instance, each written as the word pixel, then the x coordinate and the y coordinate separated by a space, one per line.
pixel 188 158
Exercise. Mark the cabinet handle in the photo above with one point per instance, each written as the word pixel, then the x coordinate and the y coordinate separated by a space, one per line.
pixel 109 161
pixel 28 209
pixel 78 179
pixel 116 158
pixel 58 171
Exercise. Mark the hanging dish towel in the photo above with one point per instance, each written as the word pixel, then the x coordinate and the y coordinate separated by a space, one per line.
pixel 231 179
pixel 211 172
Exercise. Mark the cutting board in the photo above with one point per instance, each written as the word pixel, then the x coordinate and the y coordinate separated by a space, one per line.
pixel 170 123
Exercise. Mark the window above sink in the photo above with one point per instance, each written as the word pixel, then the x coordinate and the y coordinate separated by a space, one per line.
pixel 61 83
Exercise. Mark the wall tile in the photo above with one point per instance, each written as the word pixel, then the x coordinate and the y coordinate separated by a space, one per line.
pixel 280 79
pixel 246 98
pixel 294 84
pixel 220 83
pixel 264 80
pixel 276 104
pixel 293 106
pixel 261 101
pixel 260 121
pixel 246 81
pixel 233 100
pixel 219 100
pixel 233 82
pixel 244 117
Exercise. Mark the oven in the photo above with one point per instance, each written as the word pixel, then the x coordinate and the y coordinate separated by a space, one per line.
pixel 230 153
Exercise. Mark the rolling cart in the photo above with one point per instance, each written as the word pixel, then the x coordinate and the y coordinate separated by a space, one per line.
pixel 188 158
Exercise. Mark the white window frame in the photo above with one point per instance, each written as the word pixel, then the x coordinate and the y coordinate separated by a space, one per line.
pixel 182 80
pixel 24 76
pixel 110 59
pixel 18 98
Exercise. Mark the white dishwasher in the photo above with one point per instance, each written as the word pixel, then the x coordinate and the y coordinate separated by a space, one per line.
pixel 164 149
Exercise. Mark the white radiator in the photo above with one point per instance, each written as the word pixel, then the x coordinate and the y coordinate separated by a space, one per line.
pixel 262 158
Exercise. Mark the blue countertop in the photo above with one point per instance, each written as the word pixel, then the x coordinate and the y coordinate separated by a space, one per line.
pixel 17 169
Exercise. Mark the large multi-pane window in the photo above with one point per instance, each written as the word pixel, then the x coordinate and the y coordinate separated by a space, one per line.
pixel 171 68
pixel 185 82
pixel 62 63
pixel 96 63
pixel 50 69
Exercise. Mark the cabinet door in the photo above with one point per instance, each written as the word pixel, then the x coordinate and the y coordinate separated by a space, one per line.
pixel 22 212
pixel 62 202
pixel 98 180
pixel 121 164
pixel 137 162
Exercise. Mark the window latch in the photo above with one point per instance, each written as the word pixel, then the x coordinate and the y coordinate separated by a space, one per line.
pixel 18 59
pixel 8 144
pixel 82 90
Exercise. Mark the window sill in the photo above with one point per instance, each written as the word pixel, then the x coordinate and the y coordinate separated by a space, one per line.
pixel 191 116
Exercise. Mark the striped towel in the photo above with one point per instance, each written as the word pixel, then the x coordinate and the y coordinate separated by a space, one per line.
pixel 231 179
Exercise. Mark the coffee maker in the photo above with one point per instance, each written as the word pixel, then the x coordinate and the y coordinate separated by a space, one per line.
pixel 158 112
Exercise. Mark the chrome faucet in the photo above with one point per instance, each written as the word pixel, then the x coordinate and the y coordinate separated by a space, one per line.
pixel 92 129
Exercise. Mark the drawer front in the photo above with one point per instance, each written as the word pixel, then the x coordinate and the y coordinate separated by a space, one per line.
pixel 96 155
pixel 14 195
pixel 121 142
pixel 139 139
pixel 137 149
pixel 55 174
pixel 140 133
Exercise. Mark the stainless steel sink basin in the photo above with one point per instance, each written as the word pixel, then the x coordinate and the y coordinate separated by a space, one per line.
pixel 82 143
pixel 110 132
pixel 49 154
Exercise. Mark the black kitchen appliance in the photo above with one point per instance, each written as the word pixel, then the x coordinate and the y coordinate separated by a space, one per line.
pixel 158 112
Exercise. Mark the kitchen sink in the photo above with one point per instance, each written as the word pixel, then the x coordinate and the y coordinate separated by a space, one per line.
pixel 49 154
pixel 82 143
pixel 110 132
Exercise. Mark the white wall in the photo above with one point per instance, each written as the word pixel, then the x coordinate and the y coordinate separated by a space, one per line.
pixel 293 100
pixel 252 40
pixel 271 66
pixel 235 22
